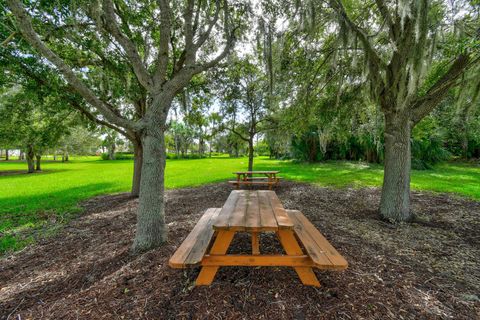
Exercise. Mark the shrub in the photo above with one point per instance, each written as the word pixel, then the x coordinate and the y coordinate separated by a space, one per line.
pixel 119 156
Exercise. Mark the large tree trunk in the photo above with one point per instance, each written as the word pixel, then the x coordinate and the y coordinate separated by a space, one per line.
pixel 250 154
pixel 137 167
pixel 395 201
pixel 38 166
pixel 30 159
pixel 151 229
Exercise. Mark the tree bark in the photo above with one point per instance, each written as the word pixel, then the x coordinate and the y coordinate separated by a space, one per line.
pixel 38 166
pixel 137 167
pixel 30 161
pixel 151 229
pixel 111 151
pixel 6 155
pixel 395 200
pixel 250 154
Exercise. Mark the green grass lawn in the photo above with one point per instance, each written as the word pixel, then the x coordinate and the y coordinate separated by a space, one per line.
pixel 29 200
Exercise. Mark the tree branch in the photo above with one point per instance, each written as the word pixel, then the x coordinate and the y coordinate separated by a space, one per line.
pixel 237 133
pixel 388 18
pixel 165 31
pixel 32 37
pixel 130 50
pixel 424 105
pixel 371 53
pixel 374 61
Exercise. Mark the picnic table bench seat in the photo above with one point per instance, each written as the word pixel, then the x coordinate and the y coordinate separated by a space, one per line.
pixel 193 248
pixel 322 253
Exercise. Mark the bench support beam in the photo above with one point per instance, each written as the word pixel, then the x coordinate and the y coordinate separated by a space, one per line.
pixel 255 243
pixel 292 248
pixel 257 261
pixel 220 247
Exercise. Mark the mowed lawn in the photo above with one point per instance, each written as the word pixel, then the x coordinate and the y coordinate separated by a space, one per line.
pixel 28 200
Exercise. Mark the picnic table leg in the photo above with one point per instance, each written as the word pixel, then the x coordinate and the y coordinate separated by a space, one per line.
pixel 255 243
pixel 220 246
pixel 291 247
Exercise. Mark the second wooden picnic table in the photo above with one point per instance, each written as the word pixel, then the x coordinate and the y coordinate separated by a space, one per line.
pixel 256 177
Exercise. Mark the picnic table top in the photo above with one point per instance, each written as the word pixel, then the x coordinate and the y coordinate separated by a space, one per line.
pixel 247 210
pixel 253 172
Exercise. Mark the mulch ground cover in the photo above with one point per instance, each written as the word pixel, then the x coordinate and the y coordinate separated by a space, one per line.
pixel 428 269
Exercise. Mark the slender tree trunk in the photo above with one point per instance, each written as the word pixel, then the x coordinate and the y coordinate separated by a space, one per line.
pixel 177 148
pixel 38 166
pixel 210 148
pixel 395 200
pixel 6 155
pixel 111 152
pixel 201 146
pixel 66 156
pixel 30 159
pixel 250 154
pixel 151 229
pixel 21 156
pixel 236 149
pixel 137 167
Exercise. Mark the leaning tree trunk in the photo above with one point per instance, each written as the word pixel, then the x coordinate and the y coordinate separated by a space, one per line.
pixel 250 154
pixel 151 229
pixel 137 167
pixel 38 166
pixel 30 159
pixel 395 200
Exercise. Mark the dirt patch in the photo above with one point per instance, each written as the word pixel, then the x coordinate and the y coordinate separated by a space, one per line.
pixel 424 270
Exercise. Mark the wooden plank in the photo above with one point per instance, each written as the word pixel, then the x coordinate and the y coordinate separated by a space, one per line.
pixel 256 172
pixel 238 214
pixel 283 220
pixel 258 261
pixel 192 249
pixel 252 216
pixel 222 220
pixel 267 216
pixel 323 254
pixel 219 247
pixel 253 182
pixel 292 248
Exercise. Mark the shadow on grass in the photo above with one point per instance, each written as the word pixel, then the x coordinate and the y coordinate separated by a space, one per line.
pixel 16 173
pixel 23 211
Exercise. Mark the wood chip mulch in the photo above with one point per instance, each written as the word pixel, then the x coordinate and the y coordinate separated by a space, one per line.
pixel 429 269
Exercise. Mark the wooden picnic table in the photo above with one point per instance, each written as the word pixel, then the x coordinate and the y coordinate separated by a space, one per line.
pixel 248 178
pixel 255 212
